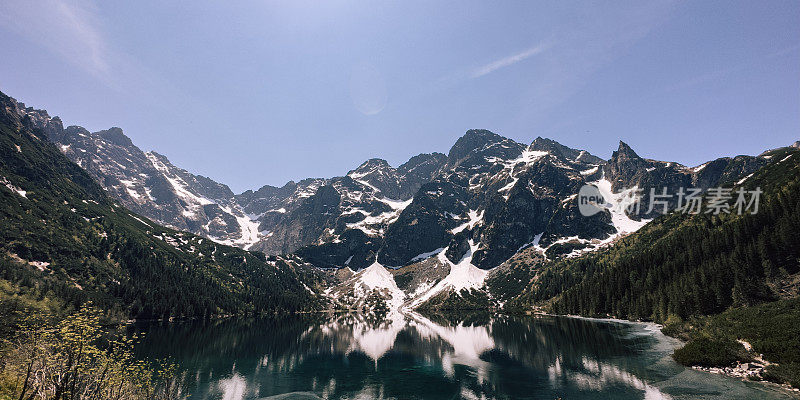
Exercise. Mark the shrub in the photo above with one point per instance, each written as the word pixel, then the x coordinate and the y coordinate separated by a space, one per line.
pixel 708 352
pixel 77 359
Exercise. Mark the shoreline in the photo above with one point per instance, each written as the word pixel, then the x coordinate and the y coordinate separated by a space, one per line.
pixel 675 343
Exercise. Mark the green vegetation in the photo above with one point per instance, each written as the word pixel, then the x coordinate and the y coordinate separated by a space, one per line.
pixel 561 249
pixel 72 356
pixel 466 299
pixel 772 329
pixel 710 352
pixel 514 276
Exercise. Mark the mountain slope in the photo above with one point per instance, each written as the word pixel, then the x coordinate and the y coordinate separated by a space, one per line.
pixel 147 183
pixel 686 265
pixel 62 235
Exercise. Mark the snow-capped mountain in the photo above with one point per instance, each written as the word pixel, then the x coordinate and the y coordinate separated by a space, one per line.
pixel 434 225
pixel 320 211
pixel 495 199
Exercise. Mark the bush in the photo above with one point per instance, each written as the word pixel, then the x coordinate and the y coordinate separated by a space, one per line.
pixel 707 352
pixel 674 326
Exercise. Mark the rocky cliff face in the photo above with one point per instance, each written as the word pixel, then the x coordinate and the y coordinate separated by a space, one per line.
pixel 147 183
pixel 370 198
pixel 500 205
pixel 626 169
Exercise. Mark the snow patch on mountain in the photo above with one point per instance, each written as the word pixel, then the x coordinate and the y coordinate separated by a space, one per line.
pixel 741 181
pixel 463 275
pixel 13 188
pixel 250 233
pixel 130 187
pixel 474 219
pixel 589 171
pixel 425 256
pixel 377 277
pixel 533 243
pixel 699 167
pixel 178 184
pixel 373 225
pixel 617 203
pixel 397 205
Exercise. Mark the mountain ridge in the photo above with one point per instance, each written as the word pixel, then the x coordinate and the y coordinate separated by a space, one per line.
pixel 487 200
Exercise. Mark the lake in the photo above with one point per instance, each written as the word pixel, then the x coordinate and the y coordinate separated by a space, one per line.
pixel 408 356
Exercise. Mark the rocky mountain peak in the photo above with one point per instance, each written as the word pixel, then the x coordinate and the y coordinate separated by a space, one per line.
pixel 36 120
pixel 624 152
pixel 421 159
pixel 114 135
pixel 796 144
pixel 158 156
pixel 625 168
pixel 375 162
pixel 473 139
pixel 565 153
pixel 370 166
pixel 543 144
pixel 421 169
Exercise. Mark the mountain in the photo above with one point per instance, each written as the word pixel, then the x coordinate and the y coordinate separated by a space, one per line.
pixel 502 196
pixel 271 219
pixel 437 222
pixel 148 184
pixel 727 284
pixel 497 203
pixel 64 237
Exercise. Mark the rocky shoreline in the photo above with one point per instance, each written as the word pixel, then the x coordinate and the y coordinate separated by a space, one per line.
pixel 746 371
pixel 751 371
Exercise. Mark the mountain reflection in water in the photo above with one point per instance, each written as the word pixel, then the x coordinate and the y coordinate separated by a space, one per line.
pixel 347 356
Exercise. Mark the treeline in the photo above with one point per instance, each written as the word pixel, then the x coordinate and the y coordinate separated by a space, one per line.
pixel 685 265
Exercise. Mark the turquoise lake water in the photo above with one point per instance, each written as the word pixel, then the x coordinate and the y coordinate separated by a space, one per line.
pixel 411 356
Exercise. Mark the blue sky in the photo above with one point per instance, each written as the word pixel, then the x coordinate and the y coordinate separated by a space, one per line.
pixel 260 92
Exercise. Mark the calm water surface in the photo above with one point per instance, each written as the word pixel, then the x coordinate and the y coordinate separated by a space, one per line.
pixel 411 356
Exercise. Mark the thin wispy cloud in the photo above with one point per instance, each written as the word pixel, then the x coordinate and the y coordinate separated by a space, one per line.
pixel 67 29
pixel 560 65
pixel 73 31
pixel 508 61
